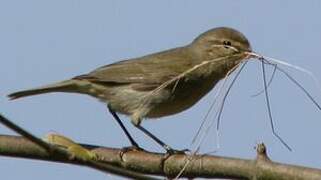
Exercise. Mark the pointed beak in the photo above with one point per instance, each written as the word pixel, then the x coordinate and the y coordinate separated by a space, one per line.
pixel 252 54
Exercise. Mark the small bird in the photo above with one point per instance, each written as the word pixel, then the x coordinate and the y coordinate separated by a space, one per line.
pixel 159 84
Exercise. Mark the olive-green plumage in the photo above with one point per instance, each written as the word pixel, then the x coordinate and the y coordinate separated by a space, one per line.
pixel 130 86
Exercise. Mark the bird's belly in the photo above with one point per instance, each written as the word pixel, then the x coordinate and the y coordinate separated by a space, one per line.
pixel 184 96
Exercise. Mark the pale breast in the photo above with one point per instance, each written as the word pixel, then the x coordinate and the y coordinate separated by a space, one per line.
pixel 185 95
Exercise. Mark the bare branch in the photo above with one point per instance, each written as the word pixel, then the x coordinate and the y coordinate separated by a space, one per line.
pixel 205 166
pixel 60 154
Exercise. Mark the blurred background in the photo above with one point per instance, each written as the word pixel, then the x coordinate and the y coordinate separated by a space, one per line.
pixel 47 41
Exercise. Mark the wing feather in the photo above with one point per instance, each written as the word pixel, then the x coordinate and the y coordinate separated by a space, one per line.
pixel 148 71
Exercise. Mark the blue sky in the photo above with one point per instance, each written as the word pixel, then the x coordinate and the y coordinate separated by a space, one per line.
pixel 48 41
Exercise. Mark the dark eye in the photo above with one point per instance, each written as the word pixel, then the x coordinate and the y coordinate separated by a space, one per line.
pixel 227 43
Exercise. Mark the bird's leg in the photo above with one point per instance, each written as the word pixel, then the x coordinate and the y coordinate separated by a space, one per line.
pixel 168 149
pixel 132 141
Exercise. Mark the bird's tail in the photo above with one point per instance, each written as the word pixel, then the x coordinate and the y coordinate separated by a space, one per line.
pixel 63 86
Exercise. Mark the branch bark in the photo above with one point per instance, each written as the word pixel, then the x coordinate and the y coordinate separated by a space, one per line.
pixel 58 153
pixel 205 166
pixel 135 164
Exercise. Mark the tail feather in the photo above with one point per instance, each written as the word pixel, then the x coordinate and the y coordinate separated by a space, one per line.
pixel 64 86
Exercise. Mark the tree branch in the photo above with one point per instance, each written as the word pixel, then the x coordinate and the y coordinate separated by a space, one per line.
pixel 169 165
pixel 134 164
pixel 60 154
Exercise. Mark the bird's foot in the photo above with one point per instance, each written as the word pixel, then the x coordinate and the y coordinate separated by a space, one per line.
pixel 131 148
pixel 171 151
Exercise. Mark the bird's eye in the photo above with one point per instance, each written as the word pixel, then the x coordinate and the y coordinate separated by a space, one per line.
pixel 227 43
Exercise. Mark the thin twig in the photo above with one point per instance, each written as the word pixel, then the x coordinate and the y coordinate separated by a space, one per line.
pixel 269 83
pixel 269 109
pixel 25 134
pixel 53 151
pixel 298 85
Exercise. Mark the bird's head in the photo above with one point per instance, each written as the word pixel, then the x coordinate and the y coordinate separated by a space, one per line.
pixel 221 42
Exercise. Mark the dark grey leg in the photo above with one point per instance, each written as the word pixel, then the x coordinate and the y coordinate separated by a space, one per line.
pixel 161 143
pixel 132 141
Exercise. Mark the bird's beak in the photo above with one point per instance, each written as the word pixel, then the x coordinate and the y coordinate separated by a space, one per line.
pixel 252 54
